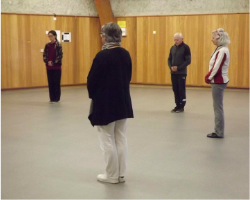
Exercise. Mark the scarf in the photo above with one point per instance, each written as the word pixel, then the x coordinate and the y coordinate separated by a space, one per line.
pixel 111 44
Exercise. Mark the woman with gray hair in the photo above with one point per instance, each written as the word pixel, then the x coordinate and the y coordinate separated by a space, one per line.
pixel 108 87
pixel 217 77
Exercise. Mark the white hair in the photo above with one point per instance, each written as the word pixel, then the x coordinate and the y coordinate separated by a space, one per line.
pixel 179 35
pixel 221 36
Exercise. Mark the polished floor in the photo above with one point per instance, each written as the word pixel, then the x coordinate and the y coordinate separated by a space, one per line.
pixel 51 150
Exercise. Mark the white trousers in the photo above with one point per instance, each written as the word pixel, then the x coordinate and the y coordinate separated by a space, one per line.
pixel 113 142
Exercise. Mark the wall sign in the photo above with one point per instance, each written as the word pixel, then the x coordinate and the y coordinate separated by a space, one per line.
pixel 123 26
pixel 66 37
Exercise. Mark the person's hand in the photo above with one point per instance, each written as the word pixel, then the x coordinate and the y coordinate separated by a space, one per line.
pixel 207 80
pixel 174 68
pixel 50 63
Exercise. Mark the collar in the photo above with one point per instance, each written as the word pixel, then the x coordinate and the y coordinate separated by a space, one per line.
pixel 180 45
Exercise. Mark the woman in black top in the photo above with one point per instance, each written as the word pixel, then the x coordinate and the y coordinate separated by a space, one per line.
pixel 52 58
pixel 108 87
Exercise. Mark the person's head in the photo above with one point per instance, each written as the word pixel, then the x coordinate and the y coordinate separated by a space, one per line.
pixel 220 37
pixel 111 32
pixel 178 39
pixel 52 36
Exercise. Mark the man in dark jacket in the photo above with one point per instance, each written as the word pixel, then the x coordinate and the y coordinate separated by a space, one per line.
pixel 178 60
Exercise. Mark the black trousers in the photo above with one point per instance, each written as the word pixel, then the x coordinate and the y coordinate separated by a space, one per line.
pixel 54 80
pixel 179 88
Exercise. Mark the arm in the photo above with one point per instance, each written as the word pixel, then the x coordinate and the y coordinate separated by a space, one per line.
pixel 59 55
pixel 94 76
pixel 187 62
pixel 130 69
pixel 45 58
pixel 218 63
pixel 170 60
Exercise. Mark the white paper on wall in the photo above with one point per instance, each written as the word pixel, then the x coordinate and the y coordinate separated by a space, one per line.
pixel 124 31
pixel 66 37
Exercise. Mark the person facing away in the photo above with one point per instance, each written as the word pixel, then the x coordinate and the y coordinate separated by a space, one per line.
pixel 52 57
pixel 178 60
pixel 217 77
pixel 108 87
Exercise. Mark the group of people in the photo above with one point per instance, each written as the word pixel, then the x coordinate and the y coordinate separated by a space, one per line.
pixel 178 60
pixel 108 86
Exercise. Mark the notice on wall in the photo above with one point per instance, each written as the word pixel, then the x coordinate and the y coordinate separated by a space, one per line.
pixel 123 26
pixel 66 37
pixel 124 31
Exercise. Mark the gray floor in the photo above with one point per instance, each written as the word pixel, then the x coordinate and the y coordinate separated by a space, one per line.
pixel 52 151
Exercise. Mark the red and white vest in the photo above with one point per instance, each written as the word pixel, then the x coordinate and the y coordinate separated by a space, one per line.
pixel 218 66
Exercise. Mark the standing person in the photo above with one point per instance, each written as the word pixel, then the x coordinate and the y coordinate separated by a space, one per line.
pixel 108 87
pixel 217 77
pixel 178 60
pixel 52 57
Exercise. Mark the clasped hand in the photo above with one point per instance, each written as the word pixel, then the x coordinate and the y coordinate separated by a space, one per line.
pixel 50 63
pixel 174 68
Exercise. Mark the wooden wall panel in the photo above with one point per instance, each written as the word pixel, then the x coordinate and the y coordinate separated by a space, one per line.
pixel 6 60
pixel 243 51
pixel 150 52
pixel 14 61
pixel 130 43
pixel 24 35
pixel 38 26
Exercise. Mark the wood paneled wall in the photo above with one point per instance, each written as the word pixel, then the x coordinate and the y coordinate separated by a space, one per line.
pixel 150 51
pixel 24 35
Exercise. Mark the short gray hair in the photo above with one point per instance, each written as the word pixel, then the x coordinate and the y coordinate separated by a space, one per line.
pixel 222 37
pixel 179 35
pixel 112 32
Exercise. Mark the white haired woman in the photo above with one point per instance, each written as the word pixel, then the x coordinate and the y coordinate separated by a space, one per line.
pixel 108 87
pixel 217 77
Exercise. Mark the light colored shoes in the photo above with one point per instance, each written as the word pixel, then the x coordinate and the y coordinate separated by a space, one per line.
pixel 105 179
pixel 121 179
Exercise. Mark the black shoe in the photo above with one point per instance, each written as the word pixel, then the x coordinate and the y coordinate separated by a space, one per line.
pixel 213 135
pixel 179 110
pixel 174 110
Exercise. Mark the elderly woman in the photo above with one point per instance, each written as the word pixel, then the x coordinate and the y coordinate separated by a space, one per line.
pixel 217 77
pixel 108 87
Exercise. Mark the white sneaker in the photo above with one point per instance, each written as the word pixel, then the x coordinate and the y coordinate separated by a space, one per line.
pixel 121 179
pixel 104 178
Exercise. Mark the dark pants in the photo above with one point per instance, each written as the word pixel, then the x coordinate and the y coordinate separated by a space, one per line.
pixel 179 88
pixel 54 80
